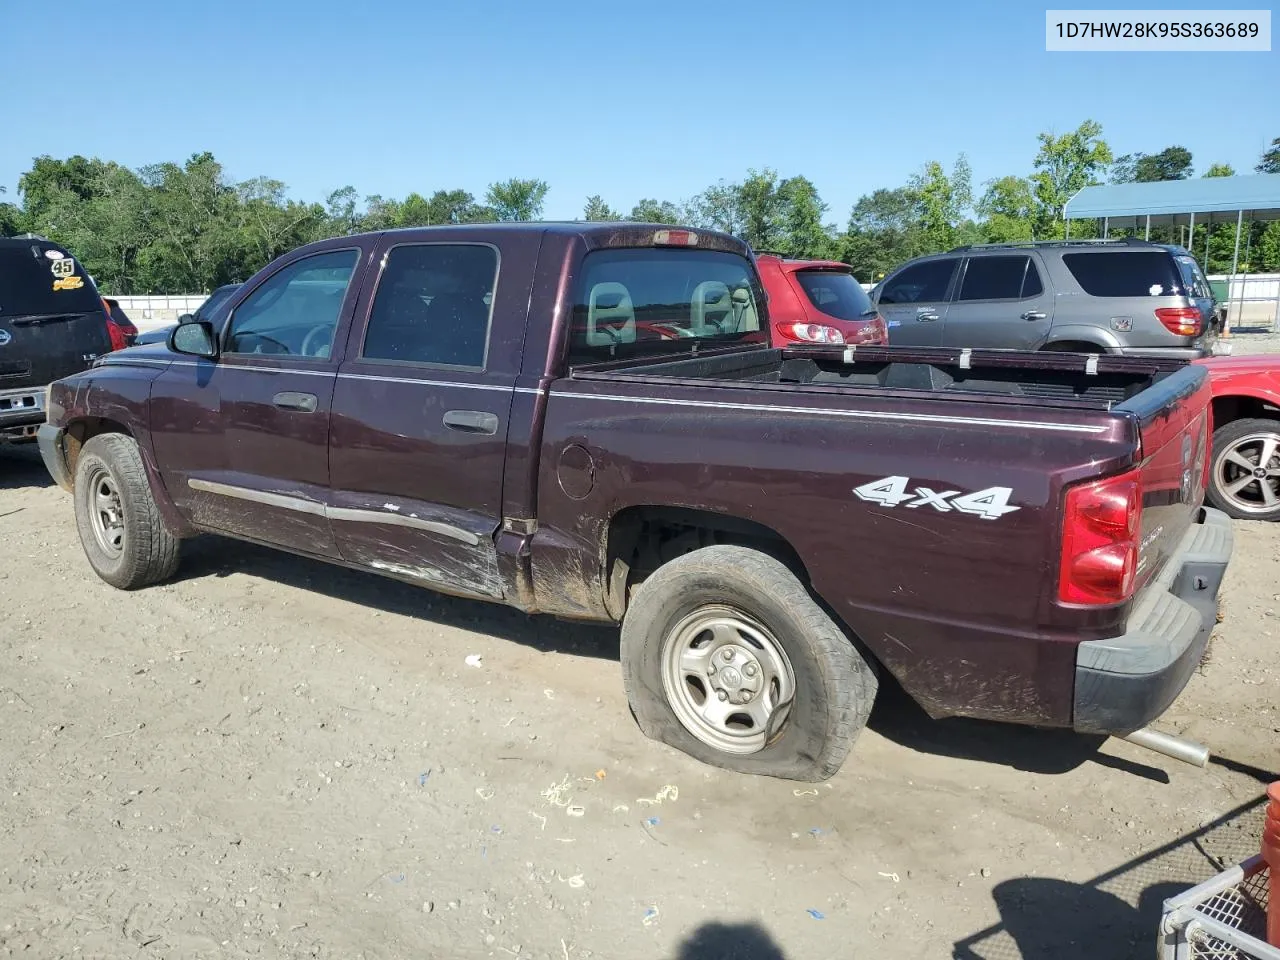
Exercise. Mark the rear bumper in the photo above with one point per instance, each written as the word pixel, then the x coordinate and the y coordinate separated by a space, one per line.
pixel 50 439
pixel 1124 683
pixel 21 410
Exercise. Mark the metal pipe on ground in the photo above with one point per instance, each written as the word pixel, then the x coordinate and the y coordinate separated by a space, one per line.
pixel 1188 751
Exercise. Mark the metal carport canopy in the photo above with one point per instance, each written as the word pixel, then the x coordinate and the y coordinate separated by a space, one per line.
pixel 1206 199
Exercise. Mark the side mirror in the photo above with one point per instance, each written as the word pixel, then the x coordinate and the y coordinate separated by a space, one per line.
pixel 185 318
pixel 194 338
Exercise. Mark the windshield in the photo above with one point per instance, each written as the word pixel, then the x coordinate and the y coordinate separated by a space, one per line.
pixel 38 279
pixel 836 293
pixel 634 302
pixel 216 299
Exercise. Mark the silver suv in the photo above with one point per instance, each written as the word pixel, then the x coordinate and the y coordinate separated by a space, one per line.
pixel 1092 296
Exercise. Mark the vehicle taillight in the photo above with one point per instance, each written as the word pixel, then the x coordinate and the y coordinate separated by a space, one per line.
pixel 118 341
pixel 1100 532
pixel 812 332
pixel 873 331
pixel 675 238
pixel 1183 321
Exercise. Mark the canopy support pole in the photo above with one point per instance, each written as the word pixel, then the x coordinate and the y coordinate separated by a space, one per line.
pixel 1235 263
pixel 1191 234
pixel 1148 236
pixel 1106 227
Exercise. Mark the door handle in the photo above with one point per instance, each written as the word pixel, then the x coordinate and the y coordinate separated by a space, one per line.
pixel 472 421
pixel 1034 315
pixel 291 400
pixel 926 317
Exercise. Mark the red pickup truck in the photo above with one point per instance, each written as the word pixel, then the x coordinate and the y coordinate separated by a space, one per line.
pixel 586 420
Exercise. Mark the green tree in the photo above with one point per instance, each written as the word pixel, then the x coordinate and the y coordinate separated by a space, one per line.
pixel 801 214
pixel 341 209
pixel 1220 170
pixel 1270 160
pixel 884 231
pixel 1007 208
pixel 597 209
pixel 517 199
pixel 1171 163
pixel 942 201
pixel 656 211
pixel 1064 165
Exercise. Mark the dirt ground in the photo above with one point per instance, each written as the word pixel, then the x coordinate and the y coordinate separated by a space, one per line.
pixel 272 757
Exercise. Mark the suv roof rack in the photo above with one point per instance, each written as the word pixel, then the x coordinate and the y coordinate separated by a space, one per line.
pixel 1022 244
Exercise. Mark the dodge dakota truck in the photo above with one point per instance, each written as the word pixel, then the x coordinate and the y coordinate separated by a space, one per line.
pixel 588 421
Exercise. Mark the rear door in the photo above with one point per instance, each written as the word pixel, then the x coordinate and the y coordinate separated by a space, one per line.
pixel 913 302
pixel 422 408
pixel 1000 302
pixel 52 321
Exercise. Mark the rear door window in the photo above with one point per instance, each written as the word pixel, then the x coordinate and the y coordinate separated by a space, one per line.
pixel 433 305
pixel 638 301
pixel 999 278
pixel 922 283
pixel 835 293
pixel 1123 274
pixel 37 279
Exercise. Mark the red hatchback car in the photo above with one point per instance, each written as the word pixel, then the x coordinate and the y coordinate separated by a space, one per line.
pixel 818 301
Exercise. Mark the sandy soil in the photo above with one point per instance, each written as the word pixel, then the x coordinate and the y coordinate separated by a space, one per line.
pixel 271 757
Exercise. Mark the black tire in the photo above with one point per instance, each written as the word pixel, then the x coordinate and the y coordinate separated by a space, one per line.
pixel 835 686
pixel 1227 437
pixel 147 552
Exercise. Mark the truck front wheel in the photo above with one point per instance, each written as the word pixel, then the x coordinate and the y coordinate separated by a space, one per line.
pixel 727 657
pixel 124 539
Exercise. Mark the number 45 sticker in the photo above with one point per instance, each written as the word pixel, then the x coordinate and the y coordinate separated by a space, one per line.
pixel 989 504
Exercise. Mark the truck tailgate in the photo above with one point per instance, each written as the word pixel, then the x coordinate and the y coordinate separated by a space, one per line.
pixel 1174 422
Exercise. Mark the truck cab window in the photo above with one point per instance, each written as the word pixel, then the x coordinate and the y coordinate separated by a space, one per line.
pixel 433 305
pixel 295 311
pixel 637 301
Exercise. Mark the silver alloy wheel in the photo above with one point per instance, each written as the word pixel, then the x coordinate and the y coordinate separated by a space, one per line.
pixel 106 514
pixel 1247 473
pixel 727 679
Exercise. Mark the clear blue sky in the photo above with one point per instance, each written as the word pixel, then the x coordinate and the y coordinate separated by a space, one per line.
pixel 656 99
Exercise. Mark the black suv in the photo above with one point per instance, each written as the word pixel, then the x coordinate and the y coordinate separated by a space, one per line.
pixel 52 324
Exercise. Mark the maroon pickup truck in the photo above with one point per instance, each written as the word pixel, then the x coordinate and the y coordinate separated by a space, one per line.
pixel 587 420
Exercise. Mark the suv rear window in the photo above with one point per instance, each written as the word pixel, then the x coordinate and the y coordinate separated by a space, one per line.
pixel 836 293
pixel 638 301
pixel 1123 274
pixel 34 283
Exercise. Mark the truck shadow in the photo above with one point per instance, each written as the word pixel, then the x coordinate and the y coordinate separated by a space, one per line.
pixel 729 941
pixel 211 556
pixel 1115 915
pixel 21 466
pixel 1046 751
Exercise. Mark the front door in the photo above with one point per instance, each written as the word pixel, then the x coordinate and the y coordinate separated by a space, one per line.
pixel 913 302
pixel 1001 303
pixel 242 441
pixel 420 414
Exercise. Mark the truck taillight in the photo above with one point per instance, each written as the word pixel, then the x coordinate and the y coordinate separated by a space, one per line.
pixel 1182 321
pixel 1100 532
pixel 675 238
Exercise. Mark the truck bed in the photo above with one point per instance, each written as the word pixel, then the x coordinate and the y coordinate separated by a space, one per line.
pixel 1024 377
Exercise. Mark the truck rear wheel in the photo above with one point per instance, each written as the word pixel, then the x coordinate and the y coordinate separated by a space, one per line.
pixel 124 539
pixel 1244 481
pixel 726 657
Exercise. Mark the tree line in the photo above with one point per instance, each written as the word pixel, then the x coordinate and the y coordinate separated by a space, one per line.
pixel 184 228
